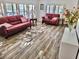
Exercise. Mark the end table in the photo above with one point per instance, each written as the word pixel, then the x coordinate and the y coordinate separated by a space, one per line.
pixel 34 20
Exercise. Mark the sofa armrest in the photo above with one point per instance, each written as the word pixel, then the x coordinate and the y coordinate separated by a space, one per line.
pixel 43 17
pixel 59 20
pixel 3 31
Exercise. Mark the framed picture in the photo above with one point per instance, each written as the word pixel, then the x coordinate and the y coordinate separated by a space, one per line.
pixel 41 6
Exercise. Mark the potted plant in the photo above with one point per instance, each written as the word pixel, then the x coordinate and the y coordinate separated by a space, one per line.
pixel 71 17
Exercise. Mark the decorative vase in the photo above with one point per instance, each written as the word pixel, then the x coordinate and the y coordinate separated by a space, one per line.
pixel 70 26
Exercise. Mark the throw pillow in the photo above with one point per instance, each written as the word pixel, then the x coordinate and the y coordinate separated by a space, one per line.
pixel 6 25
pixel 46 17
pixel 24 19
pixel 55 18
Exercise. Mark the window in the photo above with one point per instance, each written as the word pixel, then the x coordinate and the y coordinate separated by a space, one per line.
pixel 14 9
pixel 32 11
pixel 57 9
pixel 61 9
pixel 48 9
pixel 0 12
pixel 22 9
pixel 51 8
pixel 25 11
pixel 10 9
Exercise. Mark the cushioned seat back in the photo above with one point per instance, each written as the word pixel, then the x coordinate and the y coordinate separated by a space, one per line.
pixel 19 17
pixel 3 20
pixel 55 15
pixel 13 19
pixel 50 16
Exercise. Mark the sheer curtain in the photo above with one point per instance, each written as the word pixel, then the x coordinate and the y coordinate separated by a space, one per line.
pixel 32 11
pixel 48 9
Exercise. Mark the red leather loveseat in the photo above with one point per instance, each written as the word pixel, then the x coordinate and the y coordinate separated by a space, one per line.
pixel 52 19
pixel 13 24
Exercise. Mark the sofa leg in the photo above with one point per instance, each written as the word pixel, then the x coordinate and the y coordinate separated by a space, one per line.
pixel 30 27
pixel 57 24
pixel 6 37
pixel 42 22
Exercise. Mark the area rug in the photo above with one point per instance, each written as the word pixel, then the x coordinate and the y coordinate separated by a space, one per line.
pixel 28 44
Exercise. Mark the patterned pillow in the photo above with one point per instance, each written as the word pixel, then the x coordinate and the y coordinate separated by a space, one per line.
pixel 46 17
pixel 24 19
pixel 55 18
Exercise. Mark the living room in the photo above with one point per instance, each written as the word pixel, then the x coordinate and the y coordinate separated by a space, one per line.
pixel 39 29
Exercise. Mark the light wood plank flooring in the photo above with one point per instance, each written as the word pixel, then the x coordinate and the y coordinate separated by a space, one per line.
pixel 47 41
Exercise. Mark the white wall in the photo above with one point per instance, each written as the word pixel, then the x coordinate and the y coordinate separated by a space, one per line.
pixel 68 3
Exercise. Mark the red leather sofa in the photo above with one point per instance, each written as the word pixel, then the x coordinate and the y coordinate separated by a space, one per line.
pixel 16 25
pixel 52 19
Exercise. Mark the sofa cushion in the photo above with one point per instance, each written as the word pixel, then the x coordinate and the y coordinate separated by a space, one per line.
pixel 17 28
pixel 19 17
pixel 55 15
pixel 24 19
pixel 16 22
pixel 50 16
pixel 26 24
pixel 3 20
pixel 11 18
pixel 55 18
pixel 46 17
pixel 6 25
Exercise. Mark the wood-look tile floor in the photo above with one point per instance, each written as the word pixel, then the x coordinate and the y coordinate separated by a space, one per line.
pixel 48 38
